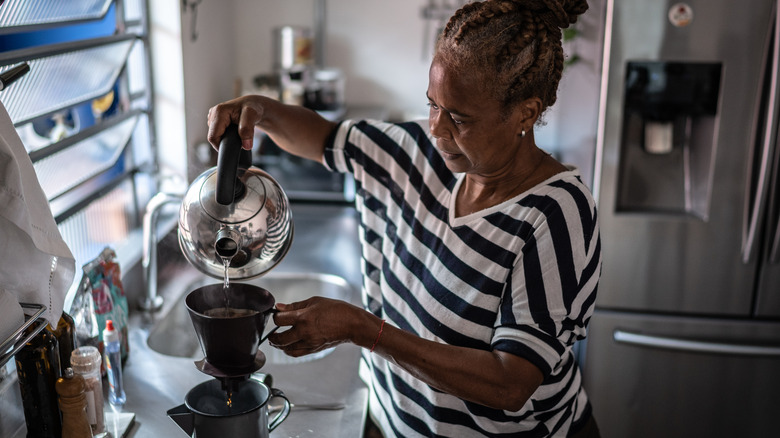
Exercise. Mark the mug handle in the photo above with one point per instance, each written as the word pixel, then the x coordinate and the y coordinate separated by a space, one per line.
pixel 270 332
pixel 282 415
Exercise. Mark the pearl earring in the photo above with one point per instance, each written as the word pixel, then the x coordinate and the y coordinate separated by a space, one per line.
pixel 522 133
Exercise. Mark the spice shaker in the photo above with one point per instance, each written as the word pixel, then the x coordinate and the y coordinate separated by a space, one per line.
pixel 73 405
pixel 86 361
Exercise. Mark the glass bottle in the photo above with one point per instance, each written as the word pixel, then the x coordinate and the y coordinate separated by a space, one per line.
pixel 66 340
pixel 86 361
pixel 38 367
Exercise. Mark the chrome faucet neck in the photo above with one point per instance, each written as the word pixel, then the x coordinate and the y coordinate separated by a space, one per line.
pixel 152 301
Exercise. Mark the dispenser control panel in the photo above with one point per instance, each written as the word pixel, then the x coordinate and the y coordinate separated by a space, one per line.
pixel 662 91
pixel 668 138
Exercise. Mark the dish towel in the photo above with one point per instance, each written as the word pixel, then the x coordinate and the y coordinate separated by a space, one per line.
pixel 11 316
pixel 36 265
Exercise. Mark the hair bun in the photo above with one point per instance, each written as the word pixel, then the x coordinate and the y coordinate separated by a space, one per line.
pixel 560 13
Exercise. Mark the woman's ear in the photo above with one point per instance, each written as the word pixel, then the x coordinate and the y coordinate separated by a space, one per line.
pixel 527 113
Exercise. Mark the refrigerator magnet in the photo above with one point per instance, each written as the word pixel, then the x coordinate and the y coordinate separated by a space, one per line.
pixel 680 15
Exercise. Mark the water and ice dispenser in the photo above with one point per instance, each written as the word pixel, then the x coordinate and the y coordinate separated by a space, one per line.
pixel 668 138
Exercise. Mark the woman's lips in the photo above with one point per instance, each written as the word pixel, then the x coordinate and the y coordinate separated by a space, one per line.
pixel 448 155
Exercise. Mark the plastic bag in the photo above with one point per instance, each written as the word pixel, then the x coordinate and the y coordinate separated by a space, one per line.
pixel 84 318
pixel 108 296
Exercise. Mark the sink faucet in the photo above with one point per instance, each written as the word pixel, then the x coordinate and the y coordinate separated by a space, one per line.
pixel 152 301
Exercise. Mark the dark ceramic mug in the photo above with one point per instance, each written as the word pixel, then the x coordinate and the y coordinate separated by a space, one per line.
pixel 206 413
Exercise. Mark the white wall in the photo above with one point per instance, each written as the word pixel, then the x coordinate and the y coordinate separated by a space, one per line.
pixel 377 43
pixel 209 62
pixel 572 122
pixel 190 76
pixel 168 83
pixel 382 45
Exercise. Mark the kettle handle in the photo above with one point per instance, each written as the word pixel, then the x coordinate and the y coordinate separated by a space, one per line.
pixel 231 155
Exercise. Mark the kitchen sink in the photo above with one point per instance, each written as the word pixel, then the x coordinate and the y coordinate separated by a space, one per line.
pixel 174 334
pixel 324 260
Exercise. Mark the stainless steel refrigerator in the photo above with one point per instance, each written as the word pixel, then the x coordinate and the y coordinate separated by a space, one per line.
pixel 685 340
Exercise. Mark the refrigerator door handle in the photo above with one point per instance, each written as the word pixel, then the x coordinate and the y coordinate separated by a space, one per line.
pixel 753 213
pixel 774 255
pixel 774 249
pixel 668 343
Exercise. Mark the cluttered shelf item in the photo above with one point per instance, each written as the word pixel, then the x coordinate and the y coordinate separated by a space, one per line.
pixel 33 315
pixel 37 370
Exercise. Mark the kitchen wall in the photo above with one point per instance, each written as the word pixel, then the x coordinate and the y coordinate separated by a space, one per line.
pixel 378 44
pixel 194 68
pixel 384 49
pixel 571 124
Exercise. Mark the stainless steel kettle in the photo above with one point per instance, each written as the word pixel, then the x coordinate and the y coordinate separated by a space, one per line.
pixel 235 214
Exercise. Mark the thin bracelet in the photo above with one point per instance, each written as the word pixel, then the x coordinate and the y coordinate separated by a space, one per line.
pixel 379 335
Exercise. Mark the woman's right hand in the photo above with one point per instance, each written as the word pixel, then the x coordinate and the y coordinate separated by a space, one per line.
pixel 298 130
pixel 244 111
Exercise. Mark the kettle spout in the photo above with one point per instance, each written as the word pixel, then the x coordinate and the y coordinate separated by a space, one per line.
pixel 226 244
pixel 183 418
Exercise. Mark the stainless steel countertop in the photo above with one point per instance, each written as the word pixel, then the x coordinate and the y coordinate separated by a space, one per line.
pixel 325 241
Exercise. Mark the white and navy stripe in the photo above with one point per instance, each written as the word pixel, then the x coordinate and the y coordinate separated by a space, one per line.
pixel 519 277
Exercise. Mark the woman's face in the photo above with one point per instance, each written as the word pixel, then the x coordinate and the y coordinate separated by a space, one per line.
pixel 472 133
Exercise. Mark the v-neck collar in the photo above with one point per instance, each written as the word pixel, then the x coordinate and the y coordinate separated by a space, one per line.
pixel 463 220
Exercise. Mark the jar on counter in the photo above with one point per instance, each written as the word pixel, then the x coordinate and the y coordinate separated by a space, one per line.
pixel 325 94
pixel 293 85
pixel 86 361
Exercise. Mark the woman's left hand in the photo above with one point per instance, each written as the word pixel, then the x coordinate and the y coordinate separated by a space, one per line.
pixel 491 378
pixel 315 324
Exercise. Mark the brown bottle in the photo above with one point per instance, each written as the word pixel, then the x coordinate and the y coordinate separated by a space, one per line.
pixel 66 340
pixel 38 367
pixel 73 404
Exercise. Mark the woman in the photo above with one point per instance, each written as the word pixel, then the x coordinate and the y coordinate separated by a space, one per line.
pixel 481 252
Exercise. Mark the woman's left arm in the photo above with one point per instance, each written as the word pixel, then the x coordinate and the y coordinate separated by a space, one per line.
pixel 494 379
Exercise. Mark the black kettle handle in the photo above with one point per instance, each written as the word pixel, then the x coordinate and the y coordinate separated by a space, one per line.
pixel 229 158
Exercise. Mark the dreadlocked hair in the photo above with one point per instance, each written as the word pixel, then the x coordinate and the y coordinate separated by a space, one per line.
pixel 512 46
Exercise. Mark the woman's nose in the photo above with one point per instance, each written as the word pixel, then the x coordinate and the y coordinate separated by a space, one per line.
pixel 437 125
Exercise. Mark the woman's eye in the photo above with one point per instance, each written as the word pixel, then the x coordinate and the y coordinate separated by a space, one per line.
pixel 434 107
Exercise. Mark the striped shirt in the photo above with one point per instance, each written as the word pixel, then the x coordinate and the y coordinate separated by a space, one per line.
pixel 519 277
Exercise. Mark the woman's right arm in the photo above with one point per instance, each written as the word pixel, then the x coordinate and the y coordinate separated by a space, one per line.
pixel 298 130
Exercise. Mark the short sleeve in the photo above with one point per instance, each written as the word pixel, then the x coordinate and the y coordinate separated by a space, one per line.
pixel 335 157
pixel 551 291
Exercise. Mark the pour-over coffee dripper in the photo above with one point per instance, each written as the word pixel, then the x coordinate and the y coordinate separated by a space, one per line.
pixel 235 404
pixel 230 337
